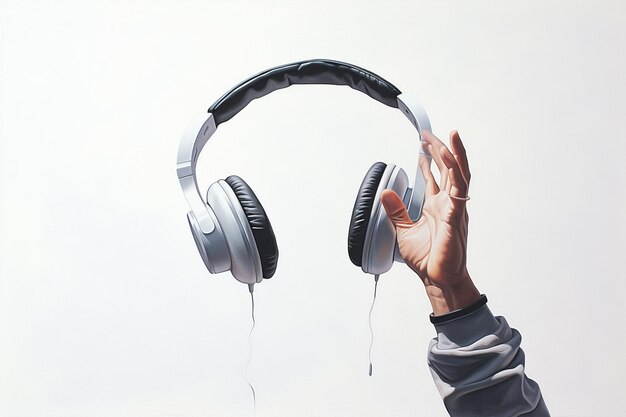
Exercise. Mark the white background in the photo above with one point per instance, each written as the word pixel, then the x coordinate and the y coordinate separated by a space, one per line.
pixel 106 309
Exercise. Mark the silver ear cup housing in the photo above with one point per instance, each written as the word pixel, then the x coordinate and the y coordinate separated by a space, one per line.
pixel 245 263
pixel 212 246
pixel 380 239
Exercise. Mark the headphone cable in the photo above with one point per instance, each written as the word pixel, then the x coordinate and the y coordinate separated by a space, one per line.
pixel 251 289
pixel 370 321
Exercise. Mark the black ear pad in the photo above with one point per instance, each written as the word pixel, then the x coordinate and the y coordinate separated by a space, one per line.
pixel 362 210
pixel 259 223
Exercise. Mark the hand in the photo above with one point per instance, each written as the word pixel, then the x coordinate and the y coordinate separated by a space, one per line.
pixel 435 246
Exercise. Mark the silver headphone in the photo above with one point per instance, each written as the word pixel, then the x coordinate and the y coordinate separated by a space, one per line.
pixel 230 226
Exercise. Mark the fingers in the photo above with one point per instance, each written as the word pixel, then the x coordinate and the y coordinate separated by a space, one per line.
pixel 457 185
pixel 395 209
pixel 453 166
pixel 434 145
pixel 431 185
pixel 460 155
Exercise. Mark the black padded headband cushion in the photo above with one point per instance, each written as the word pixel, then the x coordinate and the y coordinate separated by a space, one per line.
pixel 362 211
pixel 259 223
pixel 314 71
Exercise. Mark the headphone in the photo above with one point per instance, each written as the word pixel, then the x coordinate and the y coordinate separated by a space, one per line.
pixel 230 227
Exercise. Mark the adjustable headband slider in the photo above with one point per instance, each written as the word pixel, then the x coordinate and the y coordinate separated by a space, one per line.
pixel 196 135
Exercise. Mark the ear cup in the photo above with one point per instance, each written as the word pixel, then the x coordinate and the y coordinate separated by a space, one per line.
pixel 380 239
pixel 245 262
pixel 259 223
pixel 212 247
pixel 362 211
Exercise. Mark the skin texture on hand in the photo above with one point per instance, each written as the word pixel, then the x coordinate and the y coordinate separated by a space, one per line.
pixel 435 246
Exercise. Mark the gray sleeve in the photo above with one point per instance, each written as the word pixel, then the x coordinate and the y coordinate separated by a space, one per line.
pixel 478 368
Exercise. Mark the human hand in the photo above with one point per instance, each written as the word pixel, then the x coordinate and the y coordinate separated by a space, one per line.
pixel 435 246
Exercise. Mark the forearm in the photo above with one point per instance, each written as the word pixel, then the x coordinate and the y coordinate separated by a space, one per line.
pixel 478 367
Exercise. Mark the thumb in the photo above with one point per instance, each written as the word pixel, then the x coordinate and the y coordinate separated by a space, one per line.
pixel 395 209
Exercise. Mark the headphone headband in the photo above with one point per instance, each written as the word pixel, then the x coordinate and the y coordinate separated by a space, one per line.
pixel 317 71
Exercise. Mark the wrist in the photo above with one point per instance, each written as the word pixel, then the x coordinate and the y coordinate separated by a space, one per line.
pixel 447 298
pixel 459 314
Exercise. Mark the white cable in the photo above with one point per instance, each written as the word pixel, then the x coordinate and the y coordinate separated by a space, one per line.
pixel 250 347
pixel 370 321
